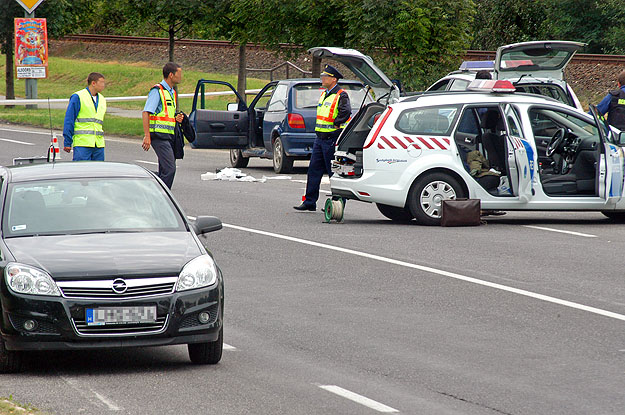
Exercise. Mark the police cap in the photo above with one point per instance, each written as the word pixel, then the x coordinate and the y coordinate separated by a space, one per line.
pixel 330 70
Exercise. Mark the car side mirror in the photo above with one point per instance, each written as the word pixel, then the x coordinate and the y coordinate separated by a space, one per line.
pixel 233 106
pixel 621 138
pixel 206 224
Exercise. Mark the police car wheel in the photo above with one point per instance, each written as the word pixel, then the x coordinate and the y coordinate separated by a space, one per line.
pixel 427 194
pixel 394 213
pixel 616 216
pixel 281 162
pixel 237 159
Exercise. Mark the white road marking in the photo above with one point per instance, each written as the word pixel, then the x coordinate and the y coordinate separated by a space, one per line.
pixel 81 389
pixel 320 190
pixel 363 400
pixel 585 235
pixel 17 142
pixel 147 162
pixel 25 131
pixel 228 347
pixel 431 270
pixel 299 181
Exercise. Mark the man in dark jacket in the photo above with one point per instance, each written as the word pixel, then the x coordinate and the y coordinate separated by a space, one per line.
pixel 333 113
pixel 614 104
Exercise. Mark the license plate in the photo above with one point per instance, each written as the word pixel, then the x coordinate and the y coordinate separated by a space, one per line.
pixel 120 315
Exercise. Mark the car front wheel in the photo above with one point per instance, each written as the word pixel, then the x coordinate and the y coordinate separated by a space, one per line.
pixel 10 361
pixel 426 196
pixel 208 353
pixel 281 162
pixel 237 159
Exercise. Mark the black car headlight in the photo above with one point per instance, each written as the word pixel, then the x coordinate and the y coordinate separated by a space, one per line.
pixel 197 273
pixel 24 279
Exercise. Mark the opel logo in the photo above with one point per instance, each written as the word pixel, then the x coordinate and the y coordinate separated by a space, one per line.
pixel 119 286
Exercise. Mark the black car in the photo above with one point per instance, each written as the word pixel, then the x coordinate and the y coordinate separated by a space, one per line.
pixel 100 255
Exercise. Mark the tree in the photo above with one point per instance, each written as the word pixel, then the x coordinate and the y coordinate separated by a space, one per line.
pixel 62 16
pixel 421 38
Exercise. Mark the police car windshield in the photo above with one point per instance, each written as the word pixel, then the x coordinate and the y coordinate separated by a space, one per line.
pixel 54 207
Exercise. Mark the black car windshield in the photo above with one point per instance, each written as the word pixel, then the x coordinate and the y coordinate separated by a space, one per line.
pixel 307 95
pixel 93 205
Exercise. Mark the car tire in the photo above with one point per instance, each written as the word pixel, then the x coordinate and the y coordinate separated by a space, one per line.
pixel 237 159
pixel 10 361
pixel 426 195
pixel 396 214
pixel 615 215
pixel 208 353
pixel 281 162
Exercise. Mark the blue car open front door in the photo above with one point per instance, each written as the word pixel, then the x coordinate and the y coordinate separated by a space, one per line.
pixel 219 128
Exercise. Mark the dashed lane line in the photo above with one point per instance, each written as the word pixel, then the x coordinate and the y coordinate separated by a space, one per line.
pixel 363 400
pixel 80 387
pixel 585 235
pixel 443 273
pixel 17 142
pixel 147 162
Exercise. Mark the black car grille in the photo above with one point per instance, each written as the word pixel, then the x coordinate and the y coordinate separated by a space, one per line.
pixel 137 287
pixel 121 329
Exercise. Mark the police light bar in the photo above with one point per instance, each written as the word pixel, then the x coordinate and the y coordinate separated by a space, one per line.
pixel 477 65
pixel 488 85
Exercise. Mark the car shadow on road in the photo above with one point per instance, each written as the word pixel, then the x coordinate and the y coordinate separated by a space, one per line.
pixel 131 360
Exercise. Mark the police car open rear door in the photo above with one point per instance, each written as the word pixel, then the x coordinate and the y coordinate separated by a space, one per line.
pixel 610 178
pixel 218 128
pixel 520 155
pixel 363 67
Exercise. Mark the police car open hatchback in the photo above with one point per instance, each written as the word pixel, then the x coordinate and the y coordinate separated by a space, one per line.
pixel 409 156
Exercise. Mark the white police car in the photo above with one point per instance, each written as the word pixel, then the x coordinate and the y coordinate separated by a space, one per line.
pixel 408 156
pixel 535 67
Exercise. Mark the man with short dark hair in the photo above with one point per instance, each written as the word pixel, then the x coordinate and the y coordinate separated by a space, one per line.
pixel 483 75
pixel 614 104
pixel 333 112
pixel 82 128
pixel 159 121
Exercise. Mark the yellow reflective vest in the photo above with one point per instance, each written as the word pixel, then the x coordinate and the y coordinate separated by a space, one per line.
pixel 327 111
pixel 164 122
pixel 88 124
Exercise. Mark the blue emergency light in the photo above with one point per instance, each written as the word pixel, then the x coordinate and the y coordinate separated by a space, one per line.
pixel 477 66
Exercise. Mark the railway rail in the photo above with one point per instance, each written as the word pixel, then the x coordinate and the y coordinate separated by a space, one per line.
pixel 584 58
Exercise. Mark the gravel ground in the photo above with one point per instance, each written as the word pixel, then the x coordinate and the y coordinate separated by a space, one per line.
pixel 590 81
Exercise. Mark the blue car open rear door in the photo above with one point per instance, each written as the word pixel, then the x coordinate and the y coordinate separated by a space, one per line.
pixel 219 128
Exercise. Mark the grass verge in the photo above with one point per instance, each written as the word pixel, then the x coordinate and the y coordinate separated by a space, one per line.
pixel 9 407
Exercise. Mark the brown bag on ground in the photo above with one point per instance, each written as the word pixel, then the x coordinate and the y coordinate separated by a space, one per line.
pixel 460 212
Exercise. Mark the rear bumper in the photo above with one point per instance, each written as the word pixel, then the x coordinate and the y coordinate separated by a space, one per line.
pixel 298 144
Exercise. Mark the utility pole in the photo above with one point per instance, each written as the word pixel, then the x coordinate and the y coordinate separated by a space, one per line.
pixel 31 83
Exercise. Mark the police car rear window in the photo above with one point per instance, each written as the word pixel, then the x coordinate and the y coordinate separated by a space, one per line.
pixel 431 120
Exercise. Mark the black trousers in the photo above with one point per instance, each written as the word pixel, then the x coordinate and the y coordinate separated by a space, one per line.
pixel 166 161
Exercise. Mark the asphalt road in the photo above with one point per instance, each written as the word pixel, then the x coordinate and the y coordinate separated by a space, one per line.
pixel 524 315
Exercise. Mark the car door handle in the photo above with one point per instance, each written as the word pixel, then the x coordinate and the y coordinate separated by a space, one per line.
pixel 468 141
pixel 218 125
pixel 544 143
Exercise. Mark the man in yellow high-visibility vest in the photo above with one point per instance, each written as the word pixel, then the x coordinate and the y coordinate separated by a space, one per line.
pixel 333 112
pixel 82 128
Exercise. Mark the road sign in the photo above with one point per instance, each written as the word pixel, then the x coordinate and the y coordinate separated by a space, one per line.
pixel 29 5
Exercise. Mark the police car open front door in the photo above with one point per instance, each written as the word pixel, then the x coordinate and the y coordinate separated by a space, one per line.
pixel 218 128
pixel 611 160
pixel 520 156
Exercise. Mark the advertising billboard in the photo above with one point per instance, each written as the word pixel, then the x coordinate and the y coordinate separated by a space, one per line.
pixel 31 48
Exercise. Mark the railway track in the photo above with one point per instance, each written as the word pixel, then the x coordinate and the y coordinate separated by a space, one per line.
pixel 470 54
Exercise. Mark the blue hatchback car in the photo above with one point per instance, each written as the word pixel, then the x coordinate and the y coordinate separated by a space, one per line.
pixel 279 123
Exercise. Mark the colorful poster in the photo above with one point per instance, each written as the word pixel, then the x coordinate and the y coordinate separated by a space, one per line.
pixel 31 48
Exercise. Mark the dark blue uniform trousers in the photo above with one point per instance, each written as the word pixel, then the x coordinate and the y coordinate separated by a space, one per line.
pixel 166 161
pixel 320 162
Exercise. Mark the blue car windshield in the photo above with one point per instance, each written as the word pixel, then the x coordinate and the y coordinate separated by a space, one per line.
pixel 52 207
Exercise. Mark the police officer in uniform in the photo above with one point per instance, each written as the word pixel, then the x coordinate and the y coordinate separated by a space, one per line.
pixel 614 104
pixel 159 121
pixel 333 112
pixel 82 127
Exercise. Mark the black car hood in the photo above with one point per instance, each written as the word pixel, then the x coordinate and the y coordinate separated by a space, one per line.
pixel 106 255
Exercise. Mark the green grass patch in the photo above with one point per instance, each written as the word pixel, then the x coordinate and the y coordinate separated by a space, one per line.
pixel 9 407
pixel 66 76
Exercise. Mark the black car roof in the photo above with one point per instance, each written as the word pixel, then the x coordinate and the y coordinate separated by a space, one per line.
pixel 72 170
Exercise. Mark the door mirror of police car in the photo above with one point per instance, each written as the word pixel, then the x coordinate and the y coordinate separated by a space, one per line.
pixel 206 224
pixel 233 106
pixel 621 138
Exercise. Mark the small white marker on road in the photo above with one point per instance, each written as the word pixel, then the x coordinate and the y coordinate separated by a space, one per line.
pixel 585 235
pixel 147 162
pixel 17 142
pixel 363 400
pixel 228 347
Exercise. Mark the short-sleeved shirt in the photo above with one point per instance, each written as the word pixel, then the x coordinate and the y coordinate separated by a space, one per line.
pixel 153 104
